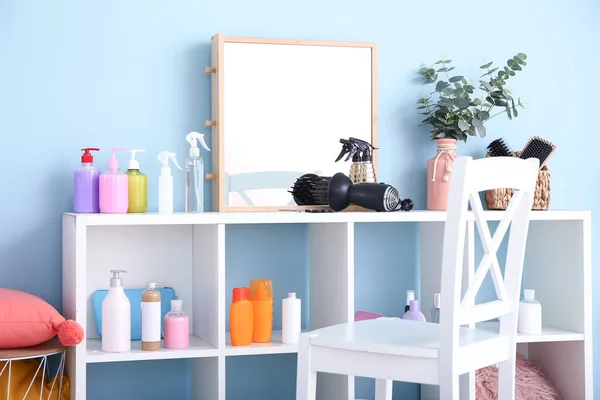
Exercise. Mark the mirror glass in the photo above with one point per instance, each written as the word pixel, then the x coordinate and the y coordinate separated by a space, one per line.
pixel 286 106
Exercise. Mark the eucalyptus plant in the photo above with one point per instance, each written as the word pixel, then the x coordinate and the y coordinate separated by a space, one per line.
pixel 455 111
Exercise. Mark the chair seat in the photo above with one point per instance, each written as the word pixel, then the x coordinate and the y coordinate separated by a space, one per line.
pixel 395 336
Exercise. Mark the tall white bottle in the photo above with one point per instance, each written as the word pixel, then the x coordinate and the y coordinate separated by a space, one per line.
pixel 194 174
pixel 530 314
pixel 116 317
pixel 165 182
pixel 291 312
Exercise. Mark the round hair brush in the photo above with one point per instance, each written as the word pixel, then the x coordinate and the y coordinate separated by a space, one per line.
pixel 338 192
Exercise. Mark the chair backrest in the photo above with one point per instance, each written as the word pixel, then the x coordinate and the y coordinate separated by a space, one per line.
pixel 469 177
pixel 240 183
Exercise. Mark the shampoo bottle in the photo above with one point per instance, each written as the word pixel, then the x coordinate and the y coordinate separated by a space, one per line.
pixel 86 184
pixel 194 174
pixel 138 185
pixel 530 314
pixel 113 188
pixel 177 327
pixel 261 296
pixel 413 313
pixel 241 317
pixel 116 317
pixel 151 318
pixel 165 182
pixel 291 319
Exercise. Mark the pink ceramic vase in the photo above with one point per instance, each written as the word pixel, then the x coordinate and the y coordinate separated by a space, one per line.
pixel 439 172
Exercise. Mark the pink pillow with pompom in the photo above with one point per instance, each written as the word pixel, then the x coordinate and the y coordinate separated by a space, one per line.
pixel 27 320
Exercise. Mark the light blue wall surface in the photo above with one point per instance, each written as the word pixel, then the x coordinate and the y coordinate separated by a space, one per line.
pixel 130 73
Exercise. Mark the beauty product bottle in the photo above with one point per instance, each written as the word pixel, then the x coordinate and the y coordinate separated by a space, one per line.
pixel 177 327
pixel 261 296
pixel 85 184
pixel 410 295
pixel 165 182
pixel 116 317
pixel 291 319
pixel 138 185
pixel 241 317
pixel 413 312
pixel 435 310
pixel 151 318
pixel 194 174
pixel 530 314
pixel 113 188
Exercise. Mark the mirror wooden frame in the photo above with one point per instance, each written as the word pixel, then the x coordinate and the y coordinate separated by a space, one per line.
pixel 217 114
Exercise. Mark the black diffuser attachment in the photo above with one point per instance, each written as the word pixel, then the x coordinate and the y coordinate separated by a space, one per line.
pixel 339 192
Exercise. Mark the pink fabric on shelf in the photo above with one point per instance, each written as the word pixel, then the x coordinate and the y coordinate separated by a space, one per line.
pixel 363 315
pixel 531 384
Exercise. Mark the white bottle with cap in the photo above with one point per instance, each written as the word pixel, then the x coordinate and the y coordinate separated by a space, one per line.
pixel 291 313
pixel 530 314
pixel 165 182
pixel 116 317
pixel 410 295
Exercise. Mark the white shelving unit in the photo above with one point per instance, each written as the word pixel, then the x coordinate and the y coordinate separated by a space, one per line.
pixel 187 252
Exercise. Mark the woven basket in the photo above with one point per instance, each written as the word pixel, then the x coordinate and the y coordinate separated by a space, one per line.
pixel 498 199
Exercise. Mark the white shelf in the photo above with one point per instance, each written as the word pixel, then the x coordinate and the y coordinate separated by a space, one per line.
pixel 549 334
pixel 198 349
pixel 275 347
pixel 293 217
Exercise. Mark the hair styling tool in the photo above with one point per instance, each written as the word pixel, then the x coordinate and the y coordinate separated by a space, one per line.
pixel 499 148
pixel 538 148
pixel 338 192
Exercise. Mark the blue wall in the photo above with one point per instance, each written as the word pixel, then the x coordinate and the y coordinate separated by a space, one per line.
pixel 130 74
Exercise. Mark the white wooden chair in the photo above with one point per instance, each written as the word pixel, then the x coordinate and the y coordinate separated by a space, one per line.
pixel 391 349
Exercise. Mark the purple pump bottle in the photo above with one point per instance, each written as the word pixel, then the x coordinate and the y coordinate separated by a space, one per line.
pixel 85 184
pixel 413 313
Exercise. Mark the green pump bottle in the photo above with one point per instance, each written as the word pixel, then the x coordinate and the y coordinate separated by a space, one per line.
pixel 138 185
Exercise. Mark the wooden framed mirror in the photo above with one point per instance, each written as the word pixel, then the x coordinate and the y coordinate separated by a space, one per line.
pixel 279 110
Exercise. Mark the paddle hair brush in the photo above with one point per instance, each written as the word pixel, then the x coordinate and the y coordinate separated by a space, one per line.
pixel 338 192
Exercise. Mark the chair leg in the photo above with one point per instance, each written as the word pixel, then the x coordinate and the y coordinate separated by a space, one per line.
pixel 507 371
pixel 306 378
pixel 383 389
pixel 449 386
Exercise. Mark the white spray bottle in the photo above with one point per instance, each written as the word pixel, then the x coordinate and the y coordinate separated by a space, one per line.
pixel 194 174
pixel 165 182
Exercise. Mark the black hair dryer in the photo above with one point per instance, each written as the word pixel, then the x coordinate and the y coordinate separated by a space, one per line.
pixel 374 196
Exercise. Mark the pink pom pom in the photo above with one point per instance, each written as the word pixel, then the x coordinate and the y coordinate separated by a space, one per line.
pixel 70 333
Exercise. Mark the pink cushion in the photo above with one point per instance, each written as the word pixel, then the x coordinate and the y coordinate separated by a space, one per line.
pixel 26 320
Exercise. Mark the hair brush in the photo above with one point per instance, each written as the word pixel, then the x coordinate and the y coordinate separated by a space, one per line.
pixel 338 192
pixel 538 148
pixel 499 148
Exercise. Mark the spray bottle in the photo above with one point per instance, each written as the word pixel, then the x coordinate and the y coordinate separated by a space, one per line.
pixel 113 188
pixel 85 184
pixel 138 185
pixel 165 182
pixel 351 149
pixel 366 171
pixel 194 174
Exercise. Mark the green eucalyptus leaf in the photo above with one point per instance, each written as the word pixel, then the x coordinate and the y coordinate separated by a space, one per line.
pixel 472 131
pixel 464 81
pixel 421 107
pixel 511 73
pixel 463 125
pixel 449 69
pixel 455 79
pixel 448 91
pixel 477 102
pixel 500 103
pixel 481 130
pixel 522 56
pixel 461 103
pixel 422 70
pixel 484 66
pixel 439 62
pixel 508 113
pixel 441 85
pixel 442 70
pixel 476 122
pixel 483 115
pixel 486 85
pixel 458 91
pixel 447 61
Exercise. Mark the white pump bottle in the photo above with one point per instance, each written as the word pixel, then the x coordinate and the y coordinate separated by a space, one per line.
pixel 194 174
pixel 116 317
pixel 165 182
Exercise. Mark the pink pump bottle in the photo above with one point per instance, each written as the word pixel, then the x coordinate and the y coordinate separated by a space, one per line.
pixel 177 327
pixel 114 188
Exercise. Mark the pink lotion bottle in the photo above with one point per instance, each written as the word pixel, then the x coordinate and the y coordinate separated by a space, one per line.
pixel 177 327
pixel 114 188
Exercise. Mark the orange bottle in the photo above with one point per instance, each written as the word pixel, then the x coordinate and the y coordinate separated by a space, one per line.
pixel 241 317
pixel 261 296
